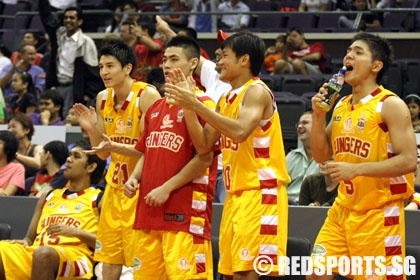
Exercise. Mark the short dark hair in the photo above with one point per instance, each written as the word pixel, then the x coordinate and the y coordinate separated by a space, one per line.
pixel 58 150
pixel 150 27
pixel 188 45
pixel 55 97
pixel 380 48
pixel 122 52
pixel 25 121
pixel 10 144
pixel 97 174
pixel 77 9
pixel 243 43
pixel 22 47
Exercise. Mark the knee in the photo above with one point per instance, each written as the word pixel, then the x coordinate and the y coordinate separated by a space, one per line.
pixel 280 66
pixel 45 254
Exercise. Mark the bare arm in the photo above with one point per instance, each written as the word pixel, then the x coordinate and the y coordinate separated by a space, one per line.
pixel 65 230
pixel 256 106
pixel 92 122
pixel 194 168
pixel 9 190
pixel 320 135
pixel 132 184
pixel 32 162
pixel 163 27
pixel 31 233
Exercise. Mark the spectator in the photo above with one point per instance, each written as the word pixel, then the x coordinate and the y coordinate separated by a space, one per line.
pixel 50 107
pixel 12 176
pixel 51 175
pixel 23 63
pixel 145 7
pixel 4 60
pixel 274 53
pixel 313 6
pixel 302 58
pixel 233 21
pixel 318 189
pixel 73 67
pixel 126 36
pixel 149 50
pixel 31 38
pixel 299 161
pixel 24 99
pixel 62 4
pixel 114 27
pixel 63 228
pixel 2 108
pixel 413 103
pixel 192 33
pixel 71 119
pixel 130 11
pixel 203 22
pixel 28 153
pixel 174 19
pixel 369 20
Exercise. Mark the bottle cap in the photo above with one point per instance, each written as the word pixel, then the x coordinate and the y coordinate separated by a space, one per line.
pixel 343 70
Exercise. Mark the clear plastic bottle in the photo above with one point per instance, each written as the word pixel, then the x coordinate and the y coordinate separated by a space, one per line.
pixel 334 86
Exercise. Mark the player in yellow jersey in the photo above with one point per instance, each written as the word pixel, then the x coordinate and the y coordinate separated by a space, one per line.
pixel 372 140
pixel 61 237
pixel 254 221
pixel 119 117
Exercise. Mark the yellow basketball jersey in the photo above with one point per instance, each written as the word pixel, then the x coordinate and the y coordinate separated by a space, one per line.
pixel 122 126
pixel 360 135
pixel 77 210
pixel 258 162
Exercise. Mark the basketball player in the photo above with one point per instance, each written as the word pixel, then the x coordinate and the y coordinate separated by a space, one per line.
pixel 61 236
pixel 119 117
pixel 372 140
pixel 173 217
pixel 254 164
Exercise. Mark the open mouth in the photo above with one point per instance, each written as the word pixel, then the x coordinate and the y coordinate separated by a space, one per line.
pixel 349 68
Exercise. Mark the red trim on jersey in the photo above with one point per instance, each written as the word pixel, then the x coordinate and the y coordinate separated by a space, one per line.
pixel 391 221
pixel 103 101
pixel 262 152
pixel 392 250
pixel 201 267
pixel 269 199
pixel 398 188
pixel 204 98
pixel 266 184
pixel 94 204
pixel 63 269
pixel 394 277
pixel 272 257
pixel 266 126
pixel 76 269
pixel 383 127
pixel 232 98
pixel 268 229
pixel 198 239
pixel 376 92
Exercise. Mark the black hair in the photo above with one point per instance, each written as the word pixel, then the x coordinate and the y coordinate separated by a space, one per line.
pixel 97 174
pixel 10 144
pixel 58 150
pixel 380 48
pixel 189 46
pixel 77 9
pixel 122 52
pixel 150 27
pixel 243 43
pixel 55 97
pixel 26 78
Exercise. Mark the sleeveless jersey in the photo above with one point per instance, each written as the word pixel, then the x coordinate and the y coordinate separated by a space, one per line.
pixel 360 135
pixel 77 210
pixel 122 126
pixel 167 148
pixel 259 162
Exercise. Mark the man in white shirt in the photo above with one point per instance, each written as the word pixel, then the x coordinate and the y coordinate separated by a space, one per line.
pixel 233 21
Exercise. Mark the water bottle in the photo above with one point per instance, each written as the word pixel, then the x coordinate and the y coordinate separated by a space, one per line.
pixel 334 86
